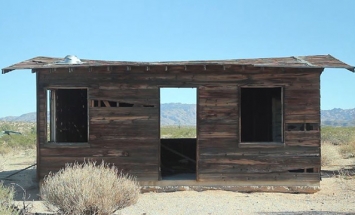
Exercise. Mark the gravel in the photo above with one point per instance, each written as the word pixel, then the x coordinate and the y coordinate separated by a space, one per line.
pixel 334 198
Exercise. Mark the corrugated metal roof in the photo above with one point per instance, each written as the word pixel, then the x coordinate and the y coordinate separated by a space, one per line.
pixel 314 61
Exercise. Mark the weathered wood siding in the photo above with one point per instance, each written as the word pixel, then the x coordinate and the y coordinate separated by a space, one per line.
pixel 130 137
pixel 125 136
pixel 223 157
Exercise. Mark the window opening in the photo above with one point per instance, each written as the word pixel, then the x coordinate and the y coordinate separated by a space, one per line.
pixel 123 104
pixel 68 115
pixel 312 127
pixel 178 133
pixel 295 126
pixel 307 170
pixel 261 114
pixel 302 127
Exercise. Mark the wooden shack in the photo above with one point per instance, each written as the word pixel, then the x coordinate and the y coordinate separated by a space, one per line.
pixel 258 120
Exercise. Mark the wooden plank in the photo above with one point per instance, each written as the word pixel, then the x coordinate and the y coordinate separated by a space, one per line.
pixel 125 143
pixel 89 152
pixel 218 127
pixel 107 94
pixel 107 104
pixel 123 86
pixel 227 93
pixel 149 173
pixel 302 134
pixel 302 138
pixel 124 120
pixel 217 145
pixel 218 119
pixel 133 135
pixel 218 134
pixel 310 177
pixel 216 111
pixel 302 118
pixel 121 137
pixel 164 79
pixel 123 111
pixel 284 151
pixel 298 110
pixel 217 87
pixel 262 160
pixel 218 102
pixel 138 162
pixel 242 169
pixel 140 176
pixel 115 129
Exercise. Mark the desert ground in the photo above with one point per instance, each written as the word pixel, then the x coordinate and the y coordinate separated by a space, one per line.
pixel 336 196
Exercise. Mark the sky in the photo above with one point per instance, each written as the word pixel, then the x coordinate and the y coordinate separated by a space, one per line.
pixel 175 30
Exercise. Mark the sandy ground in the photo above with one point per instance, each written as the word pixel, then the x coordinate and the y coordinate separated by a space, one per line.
pixel 337 195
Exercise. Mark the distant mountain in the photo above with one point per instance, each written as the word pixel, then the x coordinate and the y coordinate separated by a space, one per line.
pixel 185 114
pixel 178 114
pixel 338 117
pixel 28 117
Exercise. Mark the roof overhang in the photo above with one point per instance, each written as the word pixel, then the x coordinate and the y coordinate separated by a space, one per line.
pixel 313 61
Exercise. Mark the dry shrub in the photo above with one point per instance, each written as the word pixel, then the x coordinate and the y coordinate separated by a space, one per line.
pixel 6 200
pixel 330 153
pixel 89 189
pixel 2 162
pixel 345 178
pixel 348 150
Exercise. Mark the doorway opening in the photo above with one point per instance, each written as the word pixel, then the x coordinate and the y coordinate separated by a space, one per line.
pixel 178 140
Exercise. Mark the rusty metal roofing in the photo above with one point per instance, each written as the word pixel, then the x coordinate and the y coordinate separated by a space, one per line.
pixel 314 61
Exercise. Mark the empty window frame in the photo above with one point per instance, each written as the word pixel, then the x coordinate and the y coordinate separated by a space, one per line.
pixel 261 114
pixel 68 115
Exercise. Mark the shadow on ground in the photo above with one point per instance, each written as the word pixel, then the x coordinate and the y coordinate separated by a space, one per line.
pixel 24 182
pixel 349 171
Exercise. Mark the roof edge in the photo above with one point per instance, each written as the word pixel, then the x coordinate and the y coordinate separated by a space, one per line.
pixel 311 61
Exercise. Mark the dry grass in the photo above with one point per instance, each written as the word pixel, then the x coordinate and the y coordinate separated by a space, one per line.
pixel 89 189
pixel 330 153
pixel 345 180
pixel 337 143
pixel 2 162
pixel 338 149
pixel 173 131
pixel 6 200
pixel 348 150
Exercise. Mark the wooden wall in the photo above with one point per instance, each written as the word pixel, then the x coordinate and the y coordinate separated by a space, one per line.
pixel 223 157
pixel 130 137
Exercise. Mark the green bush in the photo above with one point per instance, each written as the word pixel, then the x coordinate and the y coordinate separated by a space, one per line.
pixel 174 131
pixel 342 137
pixel 338 135
pixel 14 142
pixel 89 189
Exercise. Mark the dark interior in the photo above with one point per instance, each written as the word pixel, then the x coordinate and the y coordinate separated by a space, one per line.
pixel 261 114
pixel 308 170
pixel 178 157
pixel 71 115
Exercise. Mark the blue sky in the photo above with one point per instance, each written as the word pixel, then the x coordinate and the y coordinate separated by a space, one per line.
pixel 175 30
